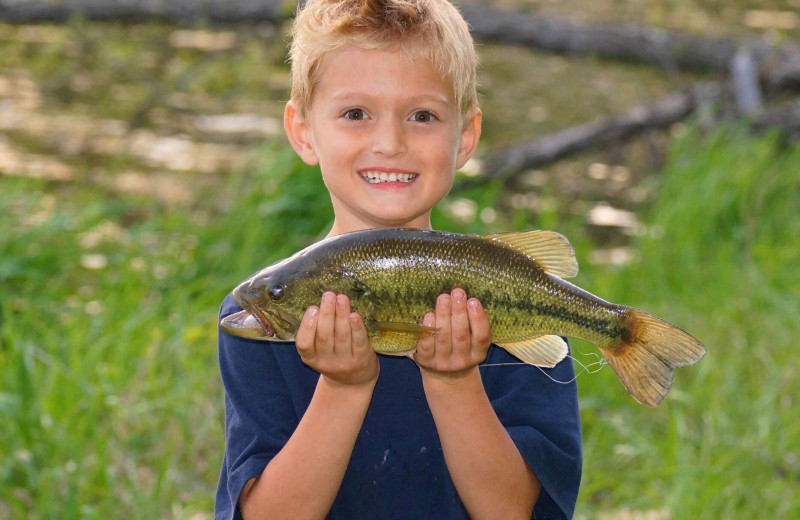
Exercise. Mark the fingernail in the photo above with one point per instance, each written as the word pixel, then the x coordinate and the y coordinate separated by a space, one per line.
pixel 459 296
pixel 312 311
pixel 328 298
pixel 341 300
pixel 473 303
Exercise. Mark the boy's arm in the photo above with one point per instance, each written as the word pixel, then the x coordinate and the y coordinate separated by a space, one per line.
pixel 302 480
pixel 488 471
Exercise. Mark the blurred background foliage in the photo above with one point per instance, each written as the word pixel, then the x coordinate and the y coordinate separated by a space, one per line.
pixel 143 173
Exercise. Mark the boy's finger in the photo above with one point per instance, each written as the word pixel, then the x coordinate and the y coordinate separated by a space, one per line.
pixel 342 338
pixel 442 339
pixel 358 333
pixel 325 323
pixel 480 328
pixel 459 321
pixel 307 332
pixel 425 346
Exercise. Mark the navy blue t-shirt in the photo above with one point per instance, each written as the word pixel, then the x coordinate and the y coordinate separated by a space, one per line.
pixel 397 469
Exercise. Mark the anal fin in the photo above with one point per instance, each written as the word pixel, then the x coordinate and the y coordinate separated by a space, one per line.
pixel 541 351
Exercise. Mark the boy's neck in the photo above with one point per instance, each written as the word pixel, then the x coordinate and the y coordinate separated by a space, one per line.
pixel 341 226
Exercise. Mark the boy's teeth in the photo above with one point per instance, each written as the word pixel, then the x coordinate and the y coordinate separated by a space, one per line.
pixel 378 177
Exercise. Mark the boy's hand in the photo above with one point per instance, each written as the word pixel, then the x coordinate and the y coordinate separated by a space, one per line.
pixel 462 340
pixel 333 341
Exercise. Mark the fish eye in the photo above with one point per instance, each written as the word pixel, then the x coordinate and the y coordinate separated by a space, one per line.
pixel 275 292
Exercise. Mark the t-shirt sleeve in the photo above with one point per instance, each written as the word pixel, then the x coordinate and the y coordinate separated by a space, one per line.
pixel 539 409
pixel 260 415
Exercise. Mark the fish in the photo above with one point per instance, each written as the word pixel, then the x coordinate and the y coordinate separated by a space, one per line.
pixel 394 275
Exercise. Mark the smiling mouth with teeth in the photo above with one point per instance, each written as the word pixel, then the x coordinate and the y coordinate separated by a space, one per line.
pixel 380 177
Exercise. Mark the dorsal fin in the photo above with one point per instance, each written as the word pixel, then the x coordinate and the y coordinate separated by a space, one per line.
pixel 551 250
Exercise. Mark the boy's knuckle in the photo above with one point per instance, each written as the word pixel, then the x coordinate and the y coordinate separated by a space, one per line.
pixel 461 336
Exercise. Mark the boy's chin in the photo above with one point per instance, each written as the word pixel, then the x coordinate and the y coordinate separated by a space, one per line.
pixel 404 220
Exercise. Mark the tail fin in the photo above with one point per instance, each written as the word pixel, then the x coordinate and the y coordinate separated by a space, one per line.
pixel 645 360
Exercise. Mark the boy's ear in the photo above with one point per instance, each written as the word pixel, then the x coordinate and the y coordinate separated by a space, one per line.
pixel 469 139
pixel 299 134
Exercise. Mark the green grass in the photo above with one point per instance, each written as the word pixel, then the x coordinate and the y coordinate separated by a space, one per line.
pixel 110 400
pixel 721 260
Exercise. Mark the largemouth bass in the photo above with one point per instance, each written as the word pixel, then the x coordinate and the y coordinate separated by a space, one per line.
pixel 393 277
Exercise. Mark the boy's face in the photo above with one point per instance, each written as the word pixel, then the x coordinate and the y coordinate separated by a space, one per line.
pixel 387 136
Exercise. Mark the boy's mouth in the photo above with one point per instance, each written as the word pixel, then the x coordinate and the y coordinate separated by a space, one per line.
pixel 376 177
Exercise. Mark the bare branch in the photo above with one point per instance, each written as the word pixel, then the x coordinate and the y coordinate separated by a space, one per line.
pixel 544 150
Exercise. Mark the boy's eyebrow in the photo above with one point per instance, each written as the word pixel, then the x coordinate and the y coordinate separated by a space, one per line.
pixel 354 96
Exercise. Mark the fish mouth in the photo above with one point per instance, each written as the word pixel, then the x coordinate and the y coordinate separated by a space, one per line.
pixel 262 321
pixel 254 322
pixel 246 325
pixel 381 177
pixel 246 322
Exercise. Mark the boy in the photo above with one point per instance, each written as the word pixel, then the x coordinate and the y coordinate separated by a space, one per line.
pixel 384 100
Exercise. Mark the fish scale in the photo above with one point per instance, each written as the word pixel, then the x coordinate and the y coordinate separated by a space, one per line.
pixel 394 276
pixel 519 297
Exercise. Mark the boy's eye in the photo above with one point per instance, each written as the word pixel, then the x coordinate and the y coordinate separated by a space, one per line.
pixel 423 116
pixel 355 114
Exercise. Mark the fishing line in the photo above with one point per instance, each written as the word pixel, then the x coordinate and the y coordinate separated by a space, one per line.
pixel 591 368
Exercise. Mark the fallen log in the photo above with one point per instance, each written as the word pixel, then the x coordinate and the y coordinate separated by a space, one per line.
pixel 757 67
pixel 778 66
pixel 507 163
pixel 745 81
pixel 173 11
pixel 670 50
pixel 662 113
pixel 781 70
pixel 646 44
pixel 785 117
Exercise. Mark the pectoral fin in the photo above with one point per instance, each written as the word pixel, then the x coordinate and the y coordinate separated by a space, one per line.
pixel 542 351
pixel 396 339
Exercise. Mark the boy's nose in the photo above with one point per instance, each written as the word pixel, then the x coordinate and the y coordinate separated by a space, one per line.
pixel 389 139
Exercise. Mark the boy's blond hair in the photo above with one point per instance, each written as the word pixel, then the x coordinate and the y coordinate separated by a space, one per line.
pixel 434 28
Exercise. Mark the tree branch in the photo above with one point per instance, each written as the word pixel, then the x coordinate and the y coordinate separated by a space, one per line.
pixel 544 150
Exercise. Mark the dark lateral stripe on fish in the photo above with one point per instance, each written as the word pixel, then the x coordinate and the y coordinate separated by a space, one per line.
pixel 600 326
pixel 612 329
